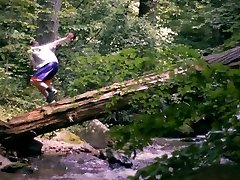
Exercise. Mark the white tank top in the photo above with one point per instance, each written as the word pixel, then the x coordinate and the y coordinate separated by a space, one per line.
pixel 43 55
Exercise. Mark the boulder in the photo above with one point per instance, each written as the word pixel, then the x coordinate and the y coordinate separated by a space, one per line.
pixel 18 167
pixel 116 159
pixel 30 147
pixel 67 137
pixel 4 161
pixel 95 133
pixel 22 147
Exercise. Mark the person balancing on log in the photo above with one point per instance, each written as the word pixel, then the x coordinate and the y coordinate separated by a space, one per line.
pixel 45 64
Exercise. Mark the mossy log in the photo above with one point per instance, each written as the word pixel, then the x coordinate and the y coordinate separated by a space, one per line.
pixel 78 109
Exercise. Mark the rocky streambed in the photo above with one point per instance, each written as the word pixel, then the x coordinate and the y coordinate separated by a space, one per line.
pixel 76 161
pixel 66 156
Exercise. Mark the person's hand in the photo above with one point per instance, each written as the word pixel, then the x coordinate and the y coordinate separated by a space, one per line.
pixel 70 36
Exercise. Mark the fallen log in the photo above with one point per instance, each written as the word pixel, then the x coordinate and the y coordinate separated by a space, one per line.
pixel 230 57
pixel 78 109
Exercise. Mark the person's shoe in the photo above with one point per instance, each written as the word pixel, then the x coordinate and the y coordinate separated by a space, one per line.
pixel 52 102
pixel 53 89
pixel 51 97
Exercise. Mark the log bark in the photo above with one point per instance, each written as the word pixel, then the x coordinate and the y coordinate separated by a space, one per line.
pixel 78 109
pixel 230 57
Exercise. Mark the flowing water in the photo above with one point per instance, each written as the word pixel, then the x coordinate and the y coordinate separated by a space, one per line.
pixel 84 166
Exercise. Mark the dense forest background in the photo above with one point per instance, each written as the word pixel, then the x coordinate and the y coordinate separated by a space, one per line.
pixel 123 39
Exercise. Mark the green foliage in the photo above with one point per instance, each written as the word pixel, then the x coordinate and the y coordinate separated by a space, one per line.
pixel 18 25
pixel 202 24
pixel 17 28
pixel 109 27
pixel 87 73
pixel 210 95
pixel 190 97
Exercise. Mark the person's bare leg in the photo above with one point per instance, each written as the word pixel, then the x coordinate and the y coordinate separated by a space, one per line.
pixel 41 87
pixel 45 89
pixel 49 83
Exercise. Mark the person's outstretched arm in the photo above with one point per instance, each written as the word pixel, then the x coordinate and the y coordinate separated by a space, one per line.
pixel 53 44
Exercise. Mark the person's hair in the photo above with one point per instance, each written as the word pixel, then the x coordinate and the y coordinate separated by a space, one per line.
pixel 34 43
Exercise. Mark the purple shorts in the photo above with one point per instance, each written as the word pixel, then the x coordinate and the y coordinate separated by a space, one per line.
pixel 47 72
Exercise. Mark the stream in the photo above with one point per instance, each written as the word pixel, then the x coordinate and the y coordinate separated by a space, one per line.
pixel 84 166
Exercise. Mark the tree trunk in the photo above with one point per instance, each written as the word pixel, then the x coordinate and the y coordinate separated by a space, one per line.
pixel 144 7
pixel 48 22
pixel 148 8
